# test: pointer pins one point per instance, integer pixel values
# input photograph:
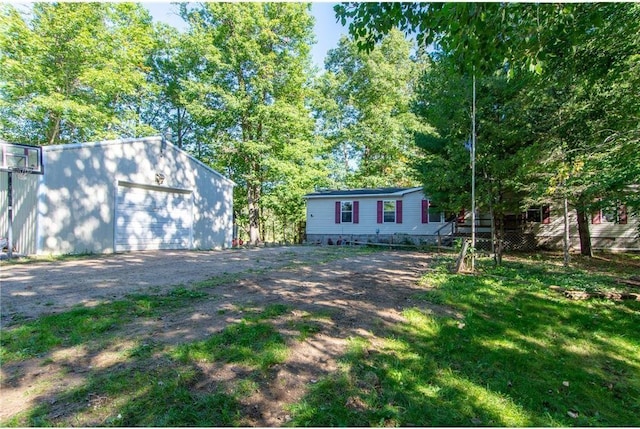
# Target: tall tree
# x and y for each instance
(171, 65)
(72, 72)
(588, 123)
(250, 91)
(443, 100)
(368, 118)
(586, 60)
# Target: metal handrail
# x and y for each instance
(450, 223)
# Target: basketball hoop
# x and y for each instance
(21, 172)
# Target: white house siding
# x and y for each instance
(72, 208)
(321, 223)
(604, 236)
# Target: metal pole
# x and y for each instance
(473, 176)
(10, 206)
(566, 238)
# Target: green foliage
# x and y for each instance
(557, 104)
(589, 121)
(250, 89)
(72, 72)
(171, 64)
(365, 113)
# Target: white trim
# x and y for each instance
(395, 211)
(71, 146)
(342, 211)
(153, 187)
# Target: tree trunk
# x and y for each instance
(54, 130)
(254, 214)
(583, 231)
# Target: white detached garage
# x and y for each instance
(121, 195)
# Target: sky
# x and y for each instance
(327, 31)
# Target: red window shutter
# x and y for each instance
(425, 211)
(461, 216)
(622, 215)
(338, 211)
(596, 218)
(546, 214)
(398, 211)
(379, 211)
(356, 212)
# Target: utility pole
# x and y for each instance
(473, 175)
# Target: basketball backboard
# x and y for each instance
(21, 158)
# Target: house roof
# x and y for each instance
(157, 140)
(373, 192)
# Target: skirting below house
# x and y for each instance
(513, 241)
(400, 239)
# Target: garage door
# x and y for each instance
(150, 217)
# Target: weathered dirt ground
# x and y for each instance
(362, 293)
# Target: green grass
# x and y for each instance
(518, 354)
(251, 342)
(157, 385)
(85, 324)
(156, 392)
(522, 355)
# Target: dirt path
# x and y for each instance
(362, 294)
(29, 290)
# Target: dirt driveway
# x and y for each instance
(362, 292)
(29, 290)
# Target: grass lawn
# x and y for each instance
(521, 355)
(511, 352)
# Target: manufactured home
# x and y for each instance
(385, 215)
(406, 215)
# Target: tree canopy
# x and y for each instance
(573, 122)
(73, 71)
(557, 109)
(367, 116)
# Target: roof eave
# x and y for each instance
(363, 195)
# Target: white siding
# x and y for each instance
(321, 216)
(604, 236)
(71, 209)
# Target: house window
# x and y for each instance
(534, 215)
(430, 213)
(389, 211)
(346, 211)
(612, 215)
(435, 215)
(538, 215)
